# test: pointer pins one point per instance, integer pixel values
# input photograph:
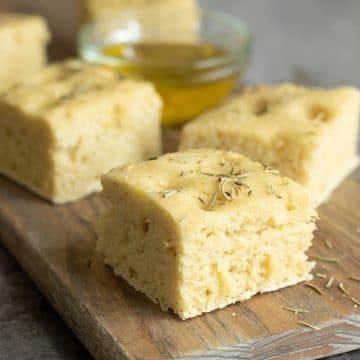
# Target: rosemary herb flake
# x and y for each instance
(296, 310)
(343, 289)
(241, 184)
(215, 196)
(355, 301)
(225, 194)
(270, 170)
(328, 244)
(168, 193)
(308, 325)
(330, 282)
(274, 192)
(326, 259)
(315, 288)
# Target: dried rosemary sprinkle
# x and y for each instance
(354, 278)
(215, 196)
(311, 286)
(328, 243)
(249, 192)
(270, 170)
(330, 282)
(228, 194)
(308, 325)
(237, 176)
(355, 301)
(343, 289)
(234, 192)
(225, 194)
(296, 310)
(274, 192)
(182, 173)
(325, 259)
(240, 184)
(201, 200)
(320, 275)
(168, 193)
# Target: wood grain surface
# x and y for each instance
(56, 247)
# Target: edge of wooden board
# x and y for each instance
(334, 337)
(337, 336)
(48, 284)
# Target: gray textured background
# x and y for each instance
(313, 41)
(308, 41)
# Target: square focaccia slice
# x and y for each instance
(66, 125)
(23, 40)
(201, 229)
(160, 20)
(309, 134)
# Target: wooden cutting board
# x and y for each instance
(56, 246)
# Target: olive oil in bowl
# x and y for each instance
(191, 76)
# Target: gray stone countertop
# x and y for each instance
(310, 41)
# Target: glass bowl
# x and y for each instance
(192, 69)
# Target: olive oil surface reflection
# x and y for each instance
(190, 78)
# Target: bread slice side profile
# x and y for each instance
(66, 125)
(200, 229)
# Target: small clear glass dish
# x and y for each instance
(192, 69)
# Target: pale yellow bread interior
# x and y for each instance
(309, 134)
(66, 125)
(23, 40)
(157, 20)
(198, 230)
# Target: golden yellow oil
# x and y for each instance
(190, 78)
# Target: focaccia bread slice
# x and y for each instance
(160, 20)
(69, 123)
(198, 230)
(23, 41)
(309, 134)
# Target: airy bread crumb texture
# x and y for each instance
(309, 134)
(201, 229)
(66, 125)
